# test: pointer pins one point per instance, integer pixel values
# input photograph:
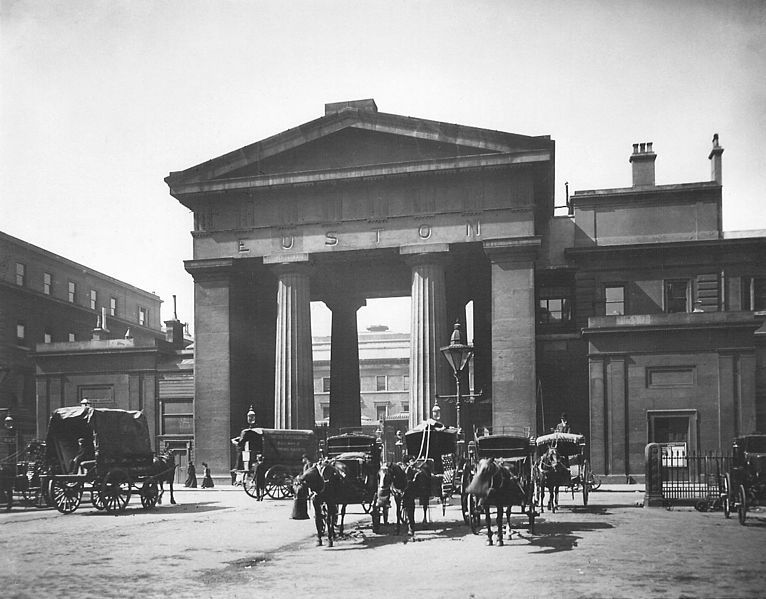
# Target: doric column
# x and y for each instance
(429, 329)
(514, 378)
(345, 407)
(294, 373)
(212, 361)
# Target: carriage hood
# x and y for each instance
(117, 435)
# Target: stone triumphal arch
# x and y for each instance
(359, 204)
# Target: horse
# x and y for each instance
(324, 480)
(498, 485)
(394, 481)
(358, 485)
(551, 473)
(164, 469)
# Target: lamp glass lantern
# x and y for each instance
(457, 354)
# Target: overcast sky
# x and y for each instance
(102, 99)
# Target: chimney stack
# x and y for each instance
(174, 329)
(716, 168)
(642, 160)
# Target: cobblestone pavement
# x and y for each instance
(222, 543)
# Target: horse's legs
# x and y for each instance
(342, 518)
(318, 516)
(409, 508)
(488, 518)
(332, 512)
(172, 499)
(499, 524)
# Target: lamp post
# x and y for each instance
(9, 424)
(457, 354)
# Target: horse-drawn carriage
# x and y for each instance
(500, 473)
(282, 451)
(106, 452)
(434, 450)
(358, 457)
(22, 474)
(562, 462)
(746, 483)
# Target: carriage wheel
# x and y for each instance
(474, 514)
(726, 496)
(115, 491)
(96, 499)
(742, 506)
(66, 495)
(150, 494)
(278, 482)
(248, 484)
(585, 477)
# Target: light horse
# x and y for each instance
(551, 472)
(325, 482)
(498, 485)
(164, 468)
(403, 484)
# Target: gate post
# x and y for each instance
(653, 478)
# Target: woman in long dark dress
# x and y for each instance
(191, 478)
(207, 480)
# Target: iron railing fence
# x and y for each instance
(692, 476)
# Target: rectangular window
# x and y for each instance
(381, 412)
(177, 417)
(405, 406)
(72, 292)
(47, 337)
(142, 316)
(93, 298)
(406, 383)
(47, 283)
(71, 336)
(753, 294)
(554, 306)
(676, 296)
(614, 300)
(21, 273)
(325, 384)
(381, 383)
(325, 412)
(21, 332)
(112, 306)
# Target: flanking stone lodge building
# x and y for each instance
(634, 312)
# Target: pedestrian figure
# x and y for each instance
(191, 477)
(260, 478)
(563, 426)
(306, 462)
(85, 453)
(207, 480)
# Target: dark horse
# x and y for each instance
(164, 469)
(551, 473)
(325, 482)
(498, 485)
(395, 481)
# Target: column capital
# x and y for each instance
(436, 253)
(210, 269)
(513, 249)
(344, 302)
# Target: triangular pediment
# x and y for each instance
(355, 139)
(352, 147)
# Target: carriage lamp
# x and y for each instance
(9, 422)
(457, 354)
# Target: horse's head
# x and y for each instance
(482, 480)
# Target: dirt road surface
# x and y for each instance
(221, 543)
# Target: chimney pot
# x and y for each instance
(716, 163)
(635, 148)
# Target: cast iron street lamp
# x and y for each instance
(458, 354)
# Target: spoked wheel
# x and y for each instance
(96, 499)
(115, 491)
(248, 484)
(726, 496)
(66, 495)
(742, 506)
(278, 482)
(474, 514)
(150, 494)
